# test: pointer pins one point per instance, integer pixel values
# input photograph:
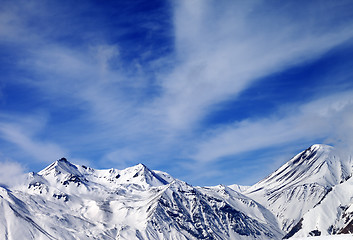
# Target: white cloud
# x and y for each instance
(11, 173)
(329, 117)
(121, 158)
(23, 134)
(223, 48)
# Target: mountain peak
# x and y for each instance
(142, 174)
(140, 167)
(62, 160)
(320, 146)
(319, 163)
(60, 166)
(310, 174)
(137, 202)
(309, 153)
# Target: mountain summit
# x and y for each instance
(69, 201)
(302, 183)
(309, 195)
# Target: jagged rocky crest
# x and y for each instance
(69, 201)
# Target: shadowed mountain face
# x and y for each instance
(68, 201)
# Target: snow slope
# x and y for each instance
(334, 215)
(301, 184)
(312, 194)
(68, 201)
(238, 188)
(333, 237)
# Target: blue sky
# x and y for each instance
(212, 92)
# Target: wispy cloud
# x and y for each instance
(223, 49)
(11, 173)
(24, 133)
(123, 107)
(326, 118)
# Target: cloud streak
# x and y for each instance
(224, 49)
(328, 117)
(23, 134)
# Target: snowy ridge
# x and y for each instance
(301, 183)
(68, 201)
(312, 194)
(239, 188)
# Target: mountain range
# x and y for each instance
(310, 195)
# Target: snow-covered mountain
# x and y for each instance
(68, 201)
(300, 184)
(312, 194)
(298, 192)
